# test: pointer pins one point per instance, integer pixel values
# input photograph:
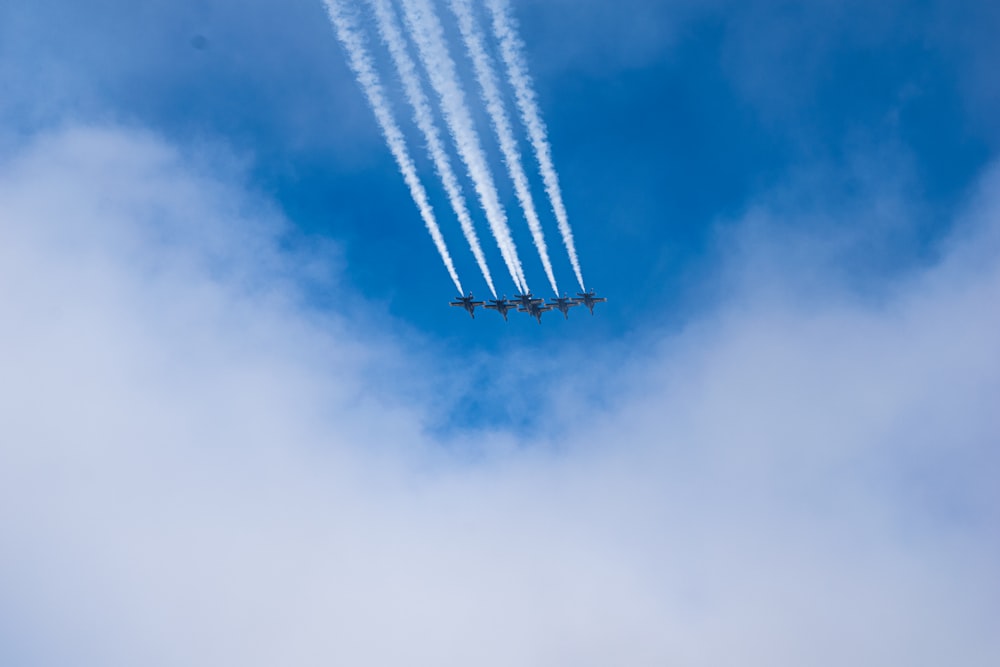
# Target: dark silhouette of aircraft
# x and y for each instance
(524, 301)
(563, 304)
(502, 306)
(588, 299)
(467, 303)
(535, 308)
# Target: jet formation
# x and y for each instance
(527, 303)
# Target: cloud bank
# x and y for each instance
(198, 468)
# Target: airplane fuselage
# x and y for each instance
(502, 306)
(525, 301)
(468, 304)
(589, 299)
(536, 310)
(563, 304)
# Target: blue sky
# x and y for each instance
(660, 139)
(242, 425)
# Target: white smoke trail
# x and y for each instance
(487, 78)
(392, 36)
(361, 63)
(511, 50)
(427, 33)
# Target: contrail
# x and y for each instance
(427, 33)
(392, 35)
(487, 78)
(511, 50)
(361, 63)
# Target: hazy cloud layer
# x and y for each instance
(197, 469)
(250, 70)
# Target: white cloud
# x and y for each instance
(270, 77)
(196, 469)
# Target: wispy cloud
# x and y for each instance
(197, 469)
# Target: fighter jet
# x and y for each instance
(502, 306)
(563, 304)
(524, 301)
(467, 303)
(535, 308)
(588, 299)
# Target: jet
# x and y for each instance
(563, 304)
(467, 303)
(588, 299)
(535, 308)
(502, 306)
(524, 301)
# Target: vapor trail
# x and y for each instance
(487, 78)
(512, 52)
(427, 33)
(392, 35)
(361, 63)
